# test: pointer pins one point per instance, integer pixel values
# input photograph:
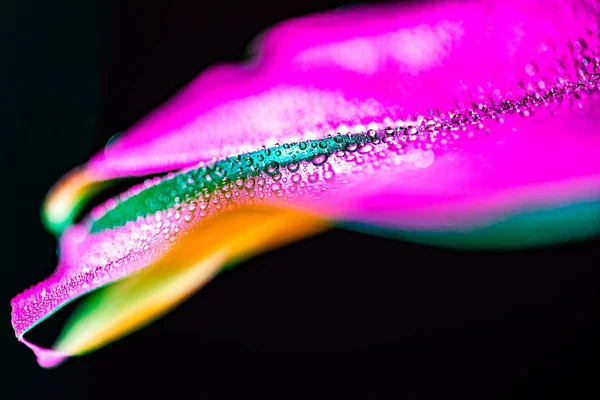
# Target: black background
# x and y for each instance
(338, 313)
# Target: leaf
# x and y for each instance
(467, 124)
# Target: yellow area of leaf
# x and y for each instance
(130, 304)
(66, 199)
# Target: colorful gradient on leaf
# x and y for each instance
(467, 124)
(129, 304)
(66, 200)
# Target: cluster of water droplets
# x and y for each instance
(128, 232)
(305, 168)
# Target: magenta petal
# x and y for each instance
(319, 74)
(394, 67)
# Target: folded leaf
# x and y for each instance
(466, 124)
(133, 302)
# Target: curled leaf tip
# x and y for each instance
(46, 358)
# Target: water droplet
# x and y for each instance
(459, 119)
(508, 106)
(313, 178)
(411, 130)
(491, 112)
(296, 178)
(352, 147)
(293, 166)
(249, 184)
(527, 100)
(367, 148)
(319, 159)
(272, 168)
(530, 69)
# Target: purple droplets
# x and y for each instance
(352, 147)
(459, 119)
(490, 112)
(319, 159)
(272, 168)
